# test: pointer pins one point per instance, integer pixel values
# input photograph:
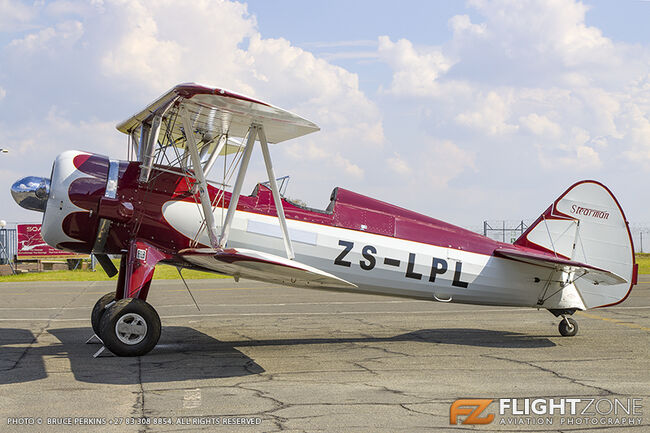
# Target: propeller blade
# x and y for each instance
(107, 264)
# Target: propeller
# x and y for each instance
(106, 264)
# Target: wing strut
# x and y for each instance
(256, 131)
(276, 194)
(148, 139)
(234, 198)
(223, 139)
(200, 177)
(149, 148)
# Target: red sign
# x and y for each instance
(32, 246)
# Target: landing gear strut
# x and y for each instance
(568, 327)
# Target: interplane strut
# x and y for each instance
(200, 177)
(256, 131)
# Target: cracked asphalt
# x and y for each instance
(299, 360)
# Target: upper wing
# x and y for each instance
(256, 265)
(592, 273)
(215, 112)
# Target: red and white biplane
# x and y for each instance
(160, 207)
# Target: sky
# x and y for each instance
(464, 111)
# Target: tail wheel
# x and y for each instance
(130, 327)
(568, 327)
(98, 311)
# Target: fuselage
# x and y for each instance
(381, 248)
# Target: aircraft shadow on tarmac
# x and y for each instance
(11, 357)
(452, 336)
(184, 353)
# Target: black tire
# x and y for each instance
(568, 329)
(99, 309)
(142, 320)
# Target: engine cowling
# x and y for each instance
(71, 217)
(70, 199)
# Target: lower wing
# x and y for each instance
(256, 265)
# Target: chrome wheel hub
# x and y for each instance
(131, 328)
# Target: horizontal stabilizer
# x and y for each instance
(591, 273)
(256, 265)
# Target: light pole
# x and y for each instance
(641, 232)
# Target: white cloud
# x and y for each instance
(340, 44)
(490, 114)
(3, 93)
(50, 39)
(637, 122)
(522, 89)
(587, 157)
(541, 125)
(34, 145)
(415, 70)
(62, 8)
(140, 49)
(57, 132)
(398, 165)
(462, 25)
(437, 162)
(444, 161)
(156, 45)
(328, 94)
(14, 15)
(532, 70)
(581, 159)
(529, 90)
(549, 31)
(225, 49)
(316, 154)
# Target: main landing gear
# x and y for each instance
(127, 327)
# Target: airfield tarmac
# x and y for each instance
(299, 360)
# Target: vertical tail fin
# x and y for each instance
(587, 224)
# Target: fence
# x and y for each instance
(8, 245)
(510, 230)
(504, 230)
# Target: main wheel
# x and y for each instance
(568, 327)
(99, 309)
(130, 327)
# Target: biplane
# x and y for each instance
(162, 206)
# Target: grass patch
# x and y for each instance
(644, 263)
(163, 272)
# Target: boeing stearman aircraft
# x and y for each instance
(159, 207)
